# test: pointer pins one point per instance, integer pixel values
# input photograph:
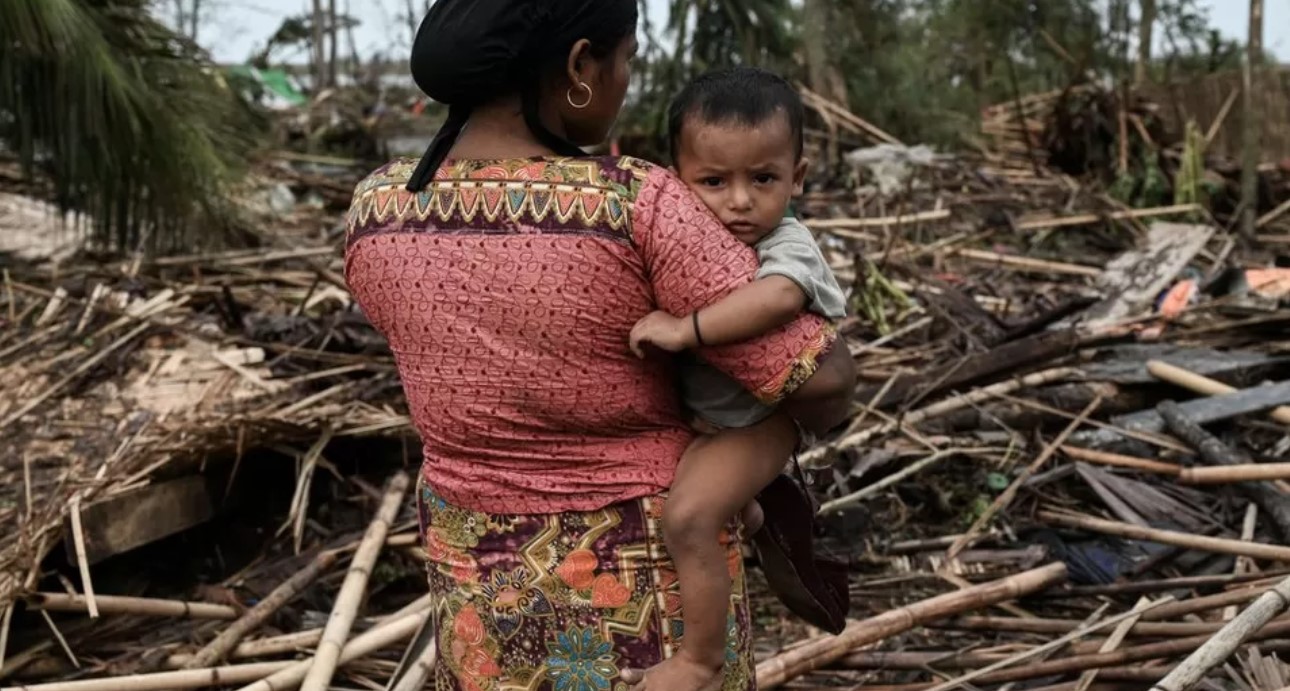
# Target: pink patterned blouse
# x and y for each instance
(507, 290)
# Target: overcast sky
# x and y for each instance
(238, 27)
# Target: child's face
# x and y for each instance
(746, 175)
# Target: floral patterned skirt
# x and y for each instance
(560, 601)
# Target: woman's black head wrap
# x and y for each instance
(469, 52)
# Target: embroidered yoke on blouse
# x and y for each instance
(507, 290)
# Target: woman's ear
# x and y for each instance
(580, 64)
(799, 175)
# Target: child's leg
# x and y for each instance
(718, 476)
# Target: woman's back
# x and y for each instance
(507, 290)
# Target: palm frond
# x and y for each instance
(131, 123)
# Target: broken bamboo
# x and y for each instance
(323, 664)
(1254, 550)
(1217, 649)
(1245, 472)
(147, 607)
(218, 649)
(794, 663)
(1121, 460)
(1204, 385)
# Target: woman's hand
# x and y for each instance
(677, 673)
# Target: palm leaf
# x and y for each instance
(131, 123)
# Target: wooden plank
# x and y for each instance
(133, 519)
(1132, 280)
(1202, 411)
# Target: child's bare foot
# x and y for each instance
(752, 517)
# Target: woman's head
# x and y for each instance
(567, 60)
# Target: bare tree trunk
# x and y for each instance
(1146, 24)
(319, 67)
(181, 16)
(412, 23)
(194, 19)
(334, 33)
(1251, 122)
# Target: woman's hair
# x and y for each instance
(472, 52)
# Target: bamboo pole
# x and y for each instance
(139, 606)
(789, 665)
(1245, 472)
(1254, 550)
(219, 648)
(1121, 461)
(1204, 385)
(299, 640)
(420, 670)
(323, 665)
(1226, 641)
(1036, 651)
(285, 675)
(362, 645)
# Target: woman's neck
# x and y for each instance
(498, 130)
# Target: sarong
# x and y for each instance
(561, 601)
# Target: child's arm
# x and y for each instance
(751, 310)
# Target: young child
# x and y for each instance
(736, 139)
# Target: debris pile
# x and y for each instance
(1062, 470)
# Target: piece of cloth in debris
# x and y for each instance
(789, 251)
(574, 597)
(507, 290)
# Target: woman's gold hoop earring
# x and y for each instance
(590, 95)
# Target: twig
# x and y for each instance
(1005, 498)
(894, 478)
(324, 662)
(1226, 641)
(82, 563)
(67, 649)
(218, 649)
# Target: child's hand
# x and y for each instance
(677, 673)
(661, 330)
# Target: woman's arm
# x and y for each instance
(693, 262)
(823, 401)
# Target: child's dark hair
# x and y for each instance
(746, 96)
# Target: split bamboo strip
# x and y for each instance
(420, 670)
(82, 562)
(1273, 214)
(323, 665)
(838, 226)
(1089, 219)
(819, 454)
(1027, 264)
(1228, 474)
(365, 644)
(1113, 642)
(218, 649)
(1121, 461)
(789, 665)
(1005, 497)
(1225, 642)
(5, 620)
(1255, 550)
(1204, 385)
(139, 606)
(1037, 650)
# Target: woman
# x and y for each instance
(506, 270)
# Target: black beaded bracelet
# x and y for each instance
(698, 335)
